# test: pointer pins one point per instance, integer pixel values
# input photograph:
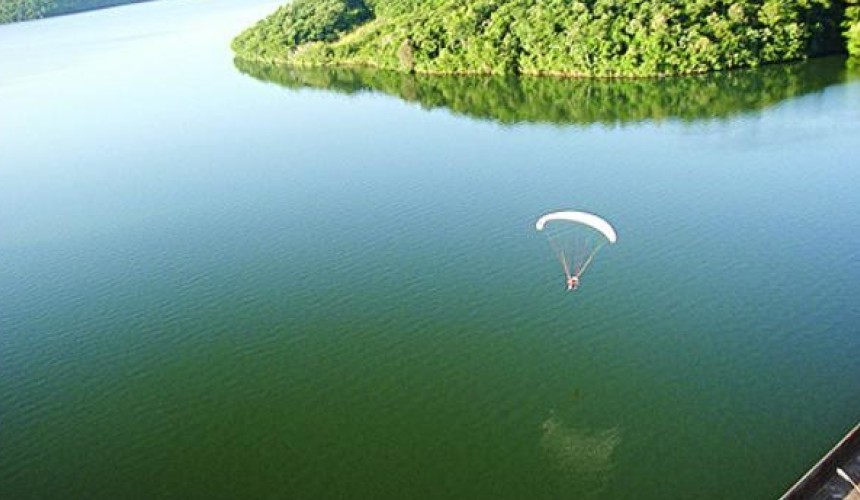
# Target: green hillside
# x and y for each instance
(603, 38)
(851, 24)
(24, 10)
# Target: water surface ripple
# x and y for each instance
(330, 287)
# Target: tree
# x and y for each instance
(606, 38)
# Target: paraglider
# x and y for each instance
(575, 237)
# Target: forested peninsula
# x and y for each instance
(24, 10)
(581, 38)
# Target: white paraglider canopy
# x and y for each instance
(576, 237)
(586, 218)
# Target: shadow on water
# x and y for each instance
(564, 101)
(581, 458)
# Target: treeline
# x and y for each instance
(852, 28)
(572, 101)
(23, 10)
(604, 38)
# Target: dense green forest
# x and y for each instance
(852, 28)
(574, 101)
(603, 38)
(23, 10)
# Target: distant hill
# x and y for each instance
(602, 38)
(23, 10)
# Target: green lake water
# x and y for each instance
(221, 280)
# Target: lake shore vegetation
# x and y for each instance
(852, 28)
(597, 38)
(24, 10)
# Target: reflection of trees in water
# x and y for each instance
(574, 101)
(582, 458)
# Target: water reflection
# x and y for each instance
(574, 101)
